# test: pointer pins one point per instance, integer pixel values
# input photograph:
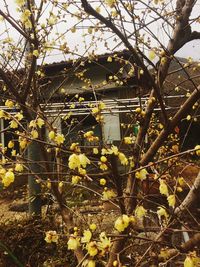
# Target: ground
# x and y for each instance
(23, 237)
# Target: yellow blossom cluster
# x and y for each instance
(23, 142)
(141, 175)
(78, 161)
(128, 140)
(25, 18)
(90, 136)
(20, 3)
(108, 194)
(58, 138)
(110, 3)
(113, 150)
(76, 179)
(9, 103)
(100, 246)
(87, 235)
(162, 213)
(73, 243)
(140, 212)
(105, 243)
(39, 122)
(96, 112)
(163, 188)
(122, 223)
(19, 167)
(75, 147)
(7, 177)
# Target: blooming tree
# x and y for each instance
(42, 29)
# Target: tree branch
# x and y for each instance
(191, 197)
(166, 131)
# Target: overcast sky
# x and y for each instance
(191, 49)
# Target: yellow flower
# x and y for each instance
(74, 162)
(36, 53)
(40, 122)
(49, 184)
(102, 105)
(87, 235)
(189, 262)
(83, 160)
(9, 103)
(198, 151)
(23, 142)
(20, 3)
(108, 194)
(82, 171)
(103, 166)
(188, 117)
(140, 212)
(163, 188)
(60, 185)
(95, 110)
(103, 159)
(52, 20)
(105, 242)
(88, 134)
(51, 236)
(59, 139)
(74, 147)
(92, 249)
(11, 144)
(28, 24)
(128, 140)
(25, 15)
(171, 200)
(181, 181)
(102, 181)
(13, 153)
(122, 223)
(138, 110)
(19, 167)
(164, 254)
(34, 134)
(81, 99)
(75, 179)
(110, 3)
(109, 59)
(8, 178)
(152, 55)
(19, 116)
(162, 212)
(98, 9)
(13, 124)
(32, 124)
(95, 151)
(113, 150)
(93, 227)
(104, 151)
(91, 263)
(141, 175)
(122, 158)
(2, 172)
(73, 243)
(51, 135)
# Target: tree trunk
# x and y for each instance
(34, 187)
